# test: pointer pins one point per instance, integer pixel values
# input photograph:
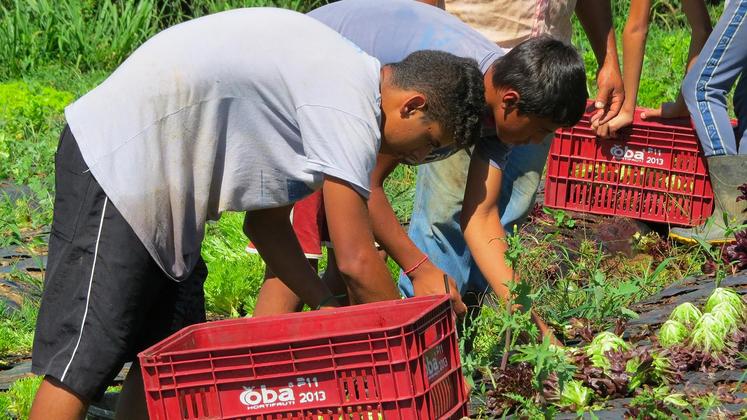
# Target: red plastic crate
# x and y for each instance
(386, 360)
(652, 171)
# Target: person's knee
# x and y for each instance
(689, 88)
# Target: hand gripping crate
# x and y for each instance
(386, 360)
(652, 171)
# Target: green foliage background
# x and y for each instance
(52, 52)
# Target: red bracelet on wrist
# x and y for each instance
(415, 267)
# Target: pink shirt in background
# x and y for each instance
(509, 22)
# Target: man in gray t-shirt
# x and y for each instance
(247, 110)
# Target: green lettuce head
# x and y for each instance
(604, 341)
(709, 335)
(721, 295)
(686, 314)
(672, 333)
(575, 395)
(728, 316)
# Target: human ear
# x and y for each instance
(510, 99)
(413, 104)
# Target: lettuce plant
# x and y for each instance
(686, 314)
(736, 253)
(720, 295)
(709, 335)
(575, 395)
(672, 333)
(604, 342)
(728, 316)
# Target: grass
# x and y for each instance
(17, 330)
(56, 51)
(94, 35)
(16, 403)
(234, 276)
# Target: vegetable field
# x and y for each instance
(652, 329)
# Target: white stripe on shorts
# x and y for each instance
(88, 295)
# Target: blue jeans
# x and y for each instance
(434, 226)
(722, 60)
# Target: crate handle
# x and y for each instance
(432, 334)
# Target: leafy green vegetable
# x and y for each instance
(709, 335)
(728, 316)
(662, 371)
(672, 332)
(575, 395)
(603, 342)
(686, 314)
(720, 295)
(637, 375)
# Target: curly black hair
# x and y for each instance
(453, 87)
(550, 77)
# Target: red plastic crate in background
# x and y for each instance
(652, 171)
(387, 360)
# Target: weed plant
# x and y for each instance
(234, 276)
(16, 403)
(17, 329)
(30, 124)
(400, 189)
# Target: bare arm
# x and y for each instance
(386, 227)
(272, 234)
(634, 47)
(427, 279)
(482, 226)
(484, 233)
(596, 18)
(700, 24)
(366, 275)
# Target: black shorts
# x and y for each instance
(104, 299)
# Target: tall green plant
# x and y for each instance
(177, 11)
(84, 34)
(16, 402)
(94, 35)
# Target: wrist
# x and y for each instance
(610, 57)
(628, 108)
(412, 270)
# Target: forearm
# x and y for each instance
(366, 275)
(634, 46)
(273, 236)
(486, 240)
(596, 19)
(388, 232)
(700, 25)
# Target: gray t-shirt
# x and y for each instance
(240, 110)
(390, 30)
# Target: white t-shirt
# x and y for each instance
(240, 110)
